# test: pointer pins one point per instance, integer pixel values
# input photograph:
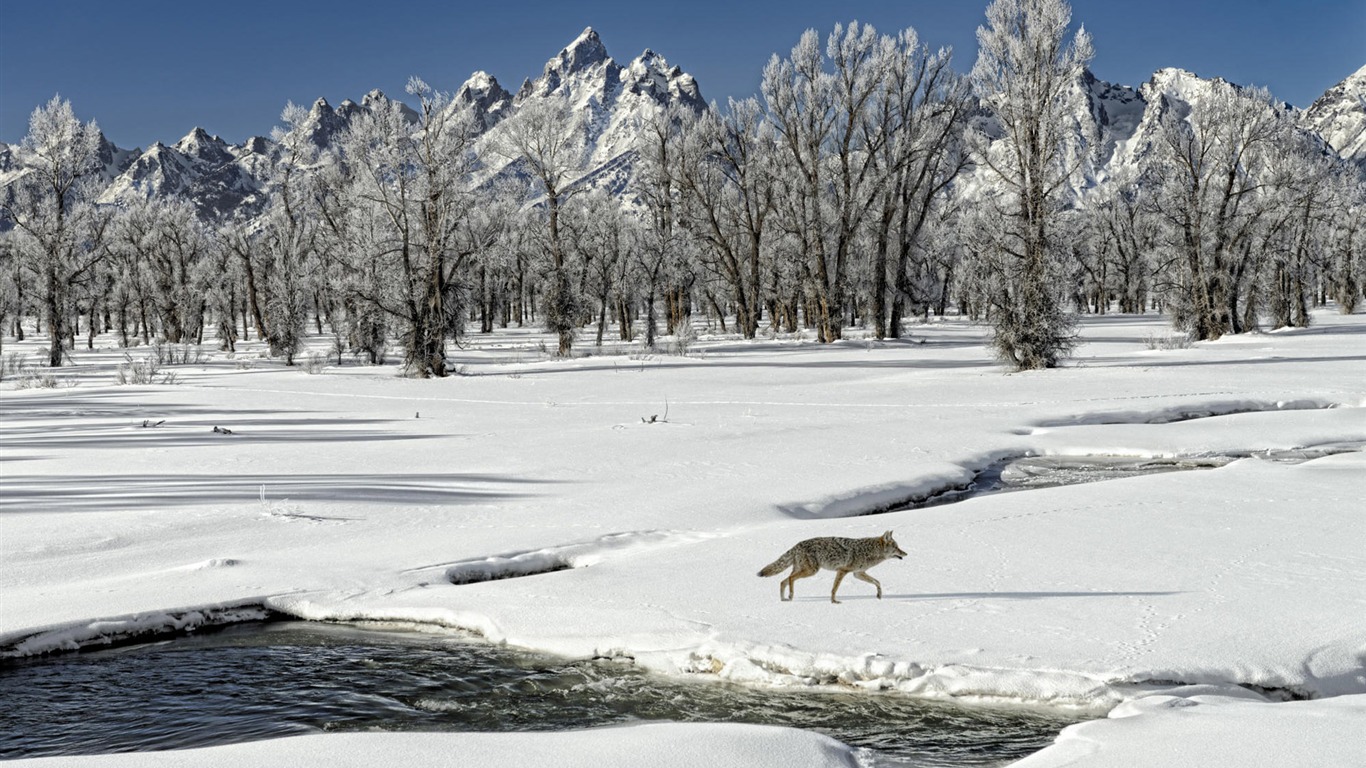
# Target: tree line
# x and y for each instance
(868, 184)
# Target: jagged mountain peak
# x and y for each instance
(256, 145)
(199, 144)
(198, 135)
(348, 109)
(480, 82)
(650, 74)
(610, 106)
(484, 97)
(374, 98)
(1172, 79)
(585, 58)
(586, 51)
(1339, 116)
(1116, 109)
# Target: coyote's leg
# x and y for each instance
(799, 571)
(839, 576)
(863, 575)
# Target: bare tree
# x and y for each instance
(1123, 236)
(279, 246)
(725, 176)
(1029, 78)
(920, 114)
(1347, 271)
(604, 237)
(1312, 189)
(539, 138)
(160, 246)
(409, 184)
(1211, 175)
(61, 233)
(822, 120)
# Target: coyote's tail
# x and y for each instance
(777, 566)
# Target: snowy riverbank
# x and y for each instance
(353, 494)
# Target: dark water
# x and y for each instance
(1026, 473)
(1035, 472)
(281, 679)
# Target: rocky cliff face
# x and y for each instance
(1339, 116)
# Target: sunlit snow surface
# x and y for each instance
(354, 494)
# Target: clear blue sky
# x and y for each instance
(150, 70)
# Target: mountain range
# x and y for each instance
(610, 103)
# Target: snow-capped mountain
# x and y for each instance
(216, 177)
(1167, 90)
(1103, 120)
(324, 123)
(1116, 110)
(223, 179)
(610, 105)
(115, 161)
(484, 98)
(1339, 116)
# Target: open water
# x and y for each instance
(279, 679)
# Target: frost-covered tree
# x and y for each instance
(1211, 175)
(1028, 76)
(540, 139)
(60, 233)
(496, 276)
(11, 299)
(920, 115)
(1311, 194)
(279, 247)
(237, 236)
(821, 107)
(603, 237)
(1347, 267)
(1122, 237)
(409, 185)
(659, 185)
(162, 251)
(726, 177)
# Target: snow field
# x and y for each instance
(356, 495)
(720, 745)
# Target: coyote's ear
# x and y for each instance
(887, 535)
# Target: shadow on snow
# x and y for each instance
(81, 493)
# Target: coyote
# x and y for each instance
(835, 553)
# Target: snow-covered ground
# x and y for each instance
(355, 494)
(667, 745)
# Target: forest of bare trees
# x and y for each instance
(868, 184)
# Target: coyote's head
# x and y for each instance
(889, 547)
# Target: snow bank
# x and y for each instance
(782, 666)
(663, 745)
(1215, 730)
(75, 636)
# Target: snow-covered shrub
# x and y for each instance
(1174, 340)
(684, 336)
(142, 371)
(176, 354)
